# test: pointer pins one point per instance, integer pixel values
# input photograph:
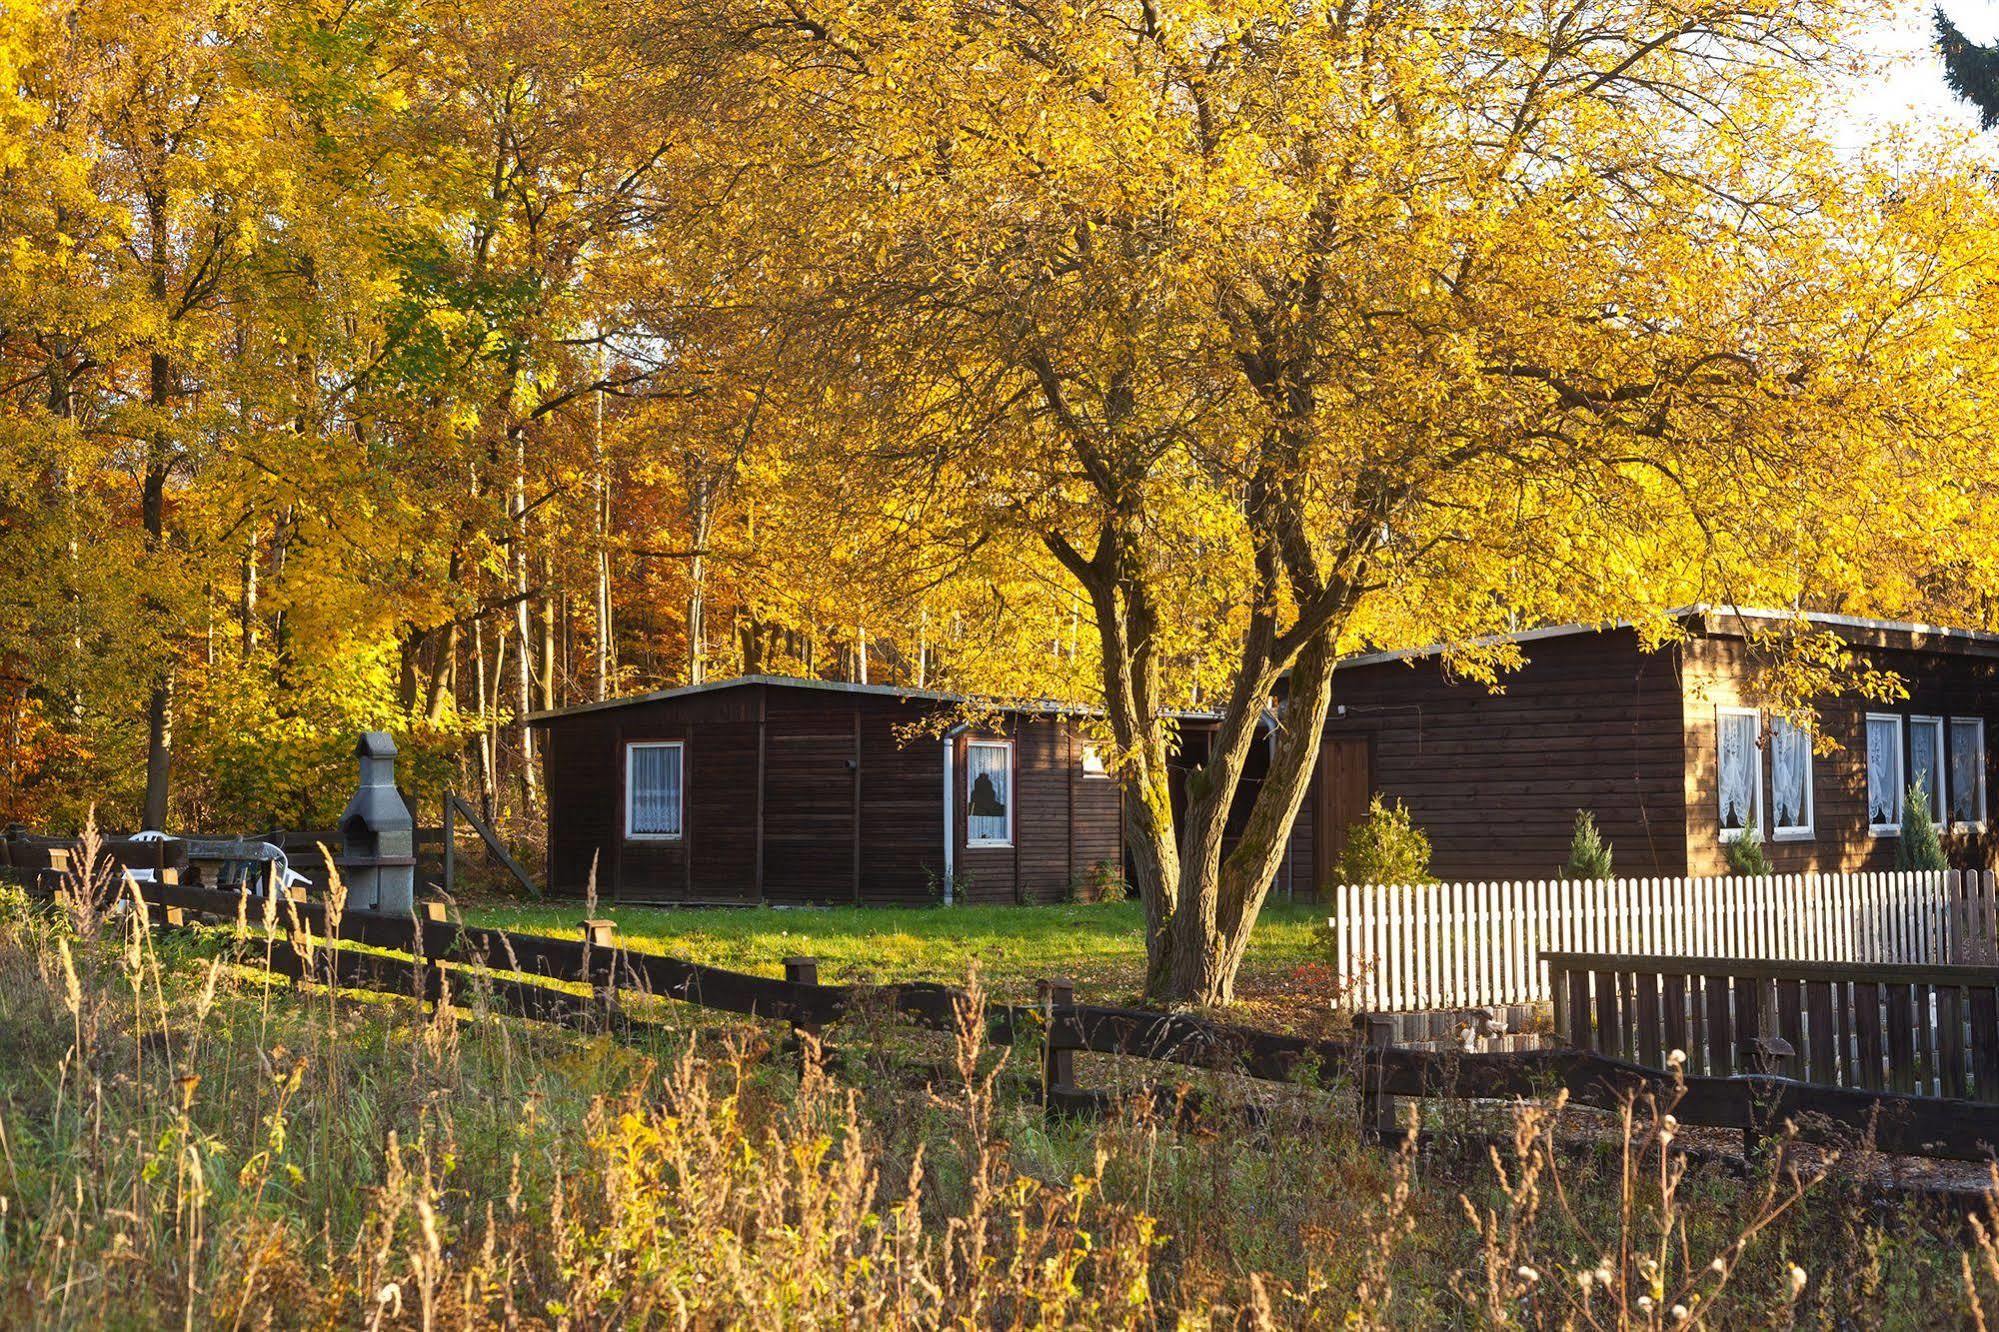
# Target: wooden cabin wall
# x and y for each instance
(852, 802)
(1050, 853)
(802, 796)
(1495, 779)
(1096, 820)
(584, 788)
(1944, 678)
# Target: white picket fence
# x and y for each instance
(1411, 947)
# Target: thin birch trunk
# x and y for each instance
(605, 663)
(700, 515)
(523, 629)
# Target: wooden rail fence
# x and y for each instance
(1459, 945)
(428, 958)
(1927, 1030)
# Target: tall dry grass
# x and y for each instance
(184, 1143)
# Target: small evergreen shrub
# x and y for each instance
(1745, 853)
(1919, 847)
(1589, 854)
(1384, 847)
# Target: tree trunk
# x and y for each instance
(247, 603)
(545, 695)
(281, 542)
(443, 684)
(409, 656)
(442, 687)
(488, 759)
(524, 637)
(159, 750)
(1199, 905)
(159, 699)
(153, 513)
(605, 662)
(1220, 898)
(700, 516)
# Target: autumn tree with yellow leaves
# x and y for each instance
(416, 364)
(1390, 321)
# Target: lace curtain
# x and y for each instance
(1790, 776)
(988, 791)
(1884, 772)
(655, 793)
(1738, 770)
(1926, 764)
(1967, 767)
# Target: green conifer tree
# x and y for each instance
(1589, 854)
(1970, 71)
(1919, 848)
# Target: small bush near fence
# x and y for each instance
(1745, 854)
(1589, 854)
(1919, 847)
(1384, 847)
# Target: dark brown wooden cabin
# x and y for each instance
(767, 789)
(1595, 721)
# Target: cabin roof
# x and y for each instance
(1711, 620)
(1714, 621)
(904, 693)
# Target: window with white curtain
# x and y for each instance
(1926, 762)
(1740, 770)
(1884, 773)
(988, 792)
(1790, 779)
(1967, 771)
(653, 789)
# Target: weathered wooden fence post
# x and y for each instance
(1057, 997)
(1377, 1107)
(450, 867)
(428, 914)
(802, 971)
(600, 966)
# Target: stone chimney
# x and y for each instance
(377, 836)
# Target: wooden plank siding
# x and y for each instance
(804, 793)
(1944, 677)
(1494, 779)
(799, 795)
(1594, 721)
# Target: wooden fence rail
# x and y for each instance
(433, 957)
(1460, 945)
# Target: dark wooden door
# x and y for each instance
(1346, 783)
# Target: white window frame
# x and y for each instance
(1755, 773)
(1977, 824)
(1901, 772)
(1094, 766)
(1939, 807)
(680, 811)
(1012, 795)
(1803, 832)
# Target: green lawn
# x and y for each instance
(1100, 947)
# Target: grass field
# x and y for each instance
(186, 1141)
(1100, 947)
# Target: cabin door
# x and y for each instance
(1346, 784)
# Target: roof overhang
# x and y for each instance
(900, 693)
(1708, 620)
